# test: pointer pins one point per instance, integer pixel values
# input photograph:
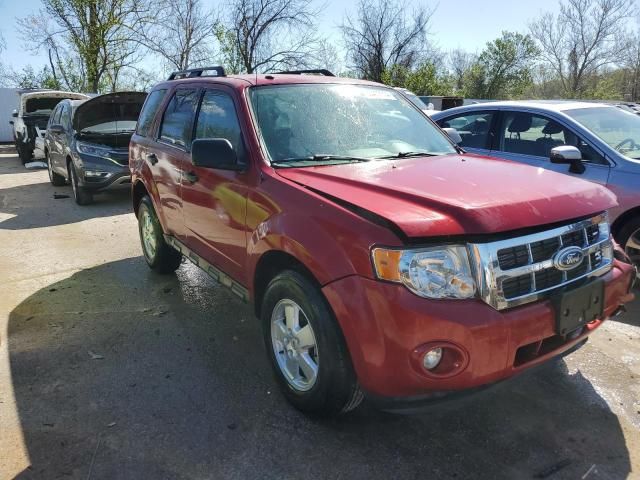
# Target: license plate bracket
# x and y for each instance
(579, 306)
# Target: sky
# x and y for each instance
(465, 24)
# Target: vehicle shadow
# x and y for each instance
(23, 212)
(121, 373)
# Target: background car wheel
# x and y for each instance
(25, 153)
(160, 256)
(80, 195)
(306, 347)
(629, 239)
(56, 179)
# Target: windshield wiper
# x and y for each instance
(324, 158)
(410, 154)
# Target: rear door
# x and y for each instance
(215, 201)
(528, 137)
(475, 128)
(170, 154)
(53, 144)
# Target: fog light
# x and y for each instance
(432, 358)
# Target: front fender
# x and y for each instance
(309, 242)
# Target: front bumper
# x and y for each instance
(384, 323)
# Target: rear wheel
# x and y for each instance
(56, 179)
(160, 256)
(306, 347)
(80, 194)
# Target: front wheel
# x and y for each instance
(160, 256)
(80, 195)
(629, 239)
(306, 347)
(56, 179)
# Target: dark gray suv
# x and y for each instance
(87, 142)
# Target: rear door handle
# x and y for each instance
(151, 158)
(191, 177)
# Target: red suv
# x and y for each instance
(383, 261)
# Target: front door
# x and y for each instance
(528, 138)
(215, 201)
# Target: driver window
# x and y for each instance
(473, 128)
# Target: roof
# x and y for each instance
(243, 81)
(553, 105)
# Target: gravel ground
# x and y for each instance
(110, 371)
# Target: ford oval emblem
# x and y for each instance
(568, 258)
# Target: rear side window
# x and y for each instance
(149, 110)
(178, 118)
(473, 128)
(218, 119)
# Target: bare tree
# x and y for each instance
(383, 34)
(181, 32)
(268, 35)
(93, 33)
(581, 39)
(460, 61)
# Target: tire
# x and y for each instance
(331, 389)
(56, 179)
(80, 195)
(629, 239)
(160, 256)
(25, 153)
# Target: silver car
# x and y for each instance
(594, 141)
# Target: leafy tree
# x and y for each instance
(503, 69)
(94, 33)
(424, 80)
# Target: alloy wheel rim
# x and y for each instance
(632, 247)
(148, 236)
(294, 345)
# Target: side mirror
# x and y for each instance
(453, 135)
(215, 153)
(570, 155)
(14, 114)
(56, 129)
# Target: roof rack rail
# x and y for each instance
(319, 71)
(197, 72)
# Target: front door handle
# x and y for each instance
(151, 158)
(191, 177)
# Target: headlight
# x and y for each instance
(92, 150)
(435, 272)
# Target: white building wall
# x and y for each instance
(8, 103)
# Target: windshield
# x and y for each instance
(353, 122)
(616, 127)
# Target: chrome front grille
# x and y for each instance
(524, 269)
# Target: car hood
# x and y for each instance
(456, 194)
(108, 108)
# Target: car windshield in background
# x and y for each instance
(342, 123)
(617, 128)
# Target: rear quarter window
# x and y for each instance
(149, 110)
